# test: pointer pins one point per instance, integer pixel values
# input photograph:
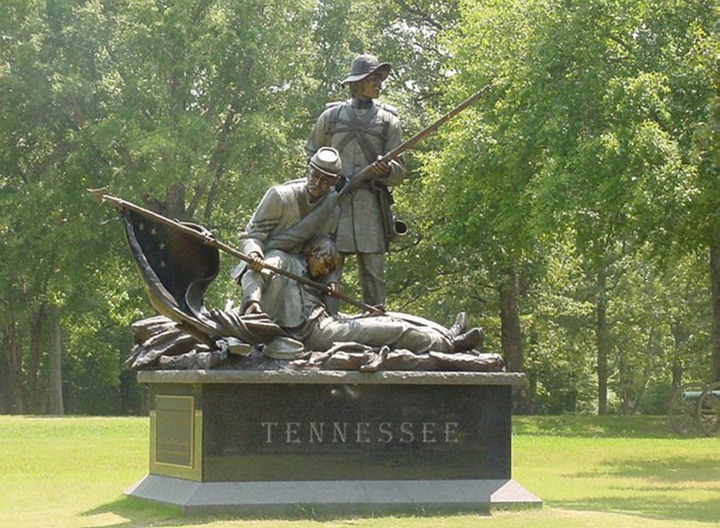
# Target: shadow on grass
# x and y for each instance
(139, 514)
(662, 508)
(675, 470)
(661, 501)
(580, 426)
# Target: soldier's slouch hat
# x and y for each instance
(364, 65)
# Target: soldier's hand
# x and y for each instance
(378, 309)
(253, 307)
(342, 181)
(256, 263)
(335, 290)
(380, 168)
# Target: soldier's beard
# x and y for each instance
(314, 192)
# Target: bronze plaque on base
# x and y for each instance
(176, 437)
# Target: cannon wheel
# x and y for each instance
(682, 412)
(708, 409)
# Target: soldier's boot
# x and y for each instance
(459, 326)
(468, 340)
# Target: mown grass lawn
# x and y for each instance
(610, 472)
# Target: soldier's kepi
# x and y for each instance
(292, 213)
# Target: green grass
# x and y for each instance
(611, 472)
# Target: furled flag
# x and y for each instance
(176, 268)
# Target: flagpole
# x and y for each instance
(209, 240)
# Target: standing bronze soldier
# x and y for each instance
(363, 130)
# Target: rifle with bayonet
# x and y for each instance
(209, 240)
(367, 173)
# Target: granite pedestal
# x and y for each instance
(260, 441)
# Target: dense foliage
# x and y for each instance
(572, 212)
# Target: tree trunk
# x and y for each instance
(55, 400)
(603, 342)
(511, 334)
(10, 371)
(677, 374)
(715, 297)
(680, 336)
(33, 391)
(4, 378)
(176, 201)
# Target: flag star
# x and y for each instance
(153, 231)
(162, 263)
(161, 245)
(141, 226)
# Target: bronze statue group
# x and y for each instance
(307, 228)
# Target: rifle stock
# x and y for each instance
(366, 174)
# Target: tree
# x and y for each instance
(475, 189)
(624, 89)
(706, 154)
(587, 134)
(595, 151)
(191, 108)
(172, 105)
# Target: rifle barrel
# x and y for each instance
(366, 173)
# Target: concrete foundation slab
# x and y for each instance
(347, 496)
